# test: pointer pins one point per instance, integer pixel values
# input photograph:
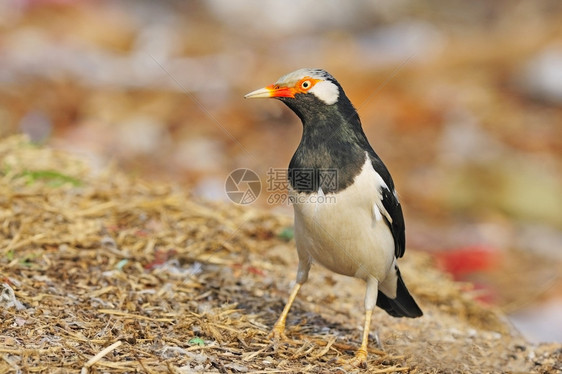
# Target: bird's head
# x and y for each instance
(303, 84)
(314, 95)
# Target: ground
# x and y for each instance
(95, 260)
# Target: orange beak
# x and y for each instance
(273, 90)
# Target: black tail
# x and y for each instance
(403, 305)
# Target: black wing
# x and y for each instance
(392, 206)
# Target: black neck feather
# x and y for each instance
(333, 145)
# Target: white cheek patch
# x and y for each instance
(326, 91)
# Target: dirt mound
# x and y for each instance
(105, 273)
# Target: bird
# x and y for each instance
(347, 214)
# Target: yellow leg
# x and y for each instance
(278, 331)
(360, 359)
(361, 354)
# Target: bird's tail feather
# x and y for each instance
(403, 305)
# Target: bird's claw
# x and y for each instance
(277, 333)
(358, 361)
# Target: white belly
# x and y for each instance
(343, 232)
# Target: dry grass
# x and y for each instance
(103, 273)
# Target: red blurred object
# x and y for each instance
(465, 260)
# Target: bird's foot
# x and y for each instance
(358, 361)
(278, 333)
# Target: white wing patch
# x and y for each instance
(326, 91)
(381, 181)
(377, 213)
(380, 209)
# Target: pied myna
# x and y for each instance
(347, 213)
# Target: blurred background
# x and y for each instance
(462, 100)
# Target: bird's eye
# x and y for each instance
(306, 85)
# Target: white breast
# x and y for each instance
(345, 232)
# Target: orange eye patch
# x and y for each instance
(305, 84)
